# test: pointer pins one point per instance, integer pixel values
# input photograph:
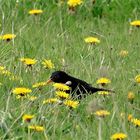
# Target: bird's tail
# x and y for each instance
(93, 90)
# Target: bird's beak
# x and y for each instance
(49, 81)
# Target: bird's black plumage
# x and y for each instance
(79, 88)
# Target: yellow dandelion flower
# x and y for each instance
(22, 96)
(129, 118)
(40, 84)
(62, 95)
(7, 37)
(51, 100)
(27, 117)
(35, 12)
(137, 78)
(104, 93)
(92, 40)
(118, 136)
(36, 128)
(136, 122)
(123, 53)
(60, 86)
(28, 61)
(74, 3)
(71, 104)
(32, 98)
(21, 91)
(48, 64)
(135, 23)
(5, 72)
(102, 113)
(131, 96)
(103, 81)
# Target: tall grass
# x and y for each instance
(59, 35)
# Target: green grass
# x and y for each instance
(56, 34)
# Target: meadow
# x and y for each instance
(57, 34)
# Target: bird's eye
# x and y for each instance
(56, 77)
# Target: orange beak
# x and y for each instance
(49, 81)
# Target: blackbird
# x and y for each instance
(79, 88)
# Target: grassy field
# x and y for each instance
(58, 34)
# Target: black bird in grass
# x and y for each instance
(79, 88)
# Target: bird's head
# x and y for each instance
(58, 77)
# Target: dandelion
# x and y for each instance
(118, 136)
(103, 81)
(28, 61)
(35, 12)
(104, 93)
(62, 87)
(131, 96)
(74, 3)
(27, 117)
(48, 64)
(137, 78)
(136, 122)
(71, 103)
(62, 95)
(51, 100)
(32, 98)
(135, 23)
(123, 53)
(21, 91)
(5, 72)
(92, 40)
(22, 96)
(102, 113)
(39, 85)
(7, 37)
(129, 118)
(37, 128)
